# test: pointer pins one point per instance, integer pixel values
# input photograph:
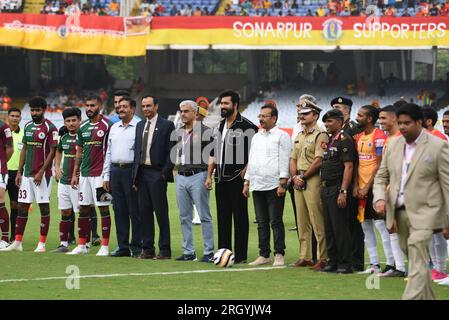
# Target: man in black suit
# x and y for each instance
(152, 170)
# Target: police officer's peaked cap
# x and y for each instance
(341, 100)
(308, 106)
(334, 113)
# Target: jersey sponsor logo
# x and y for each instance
(8, 133)
(19, 145)
(55, 135)
(380, 143)
(365, 157)
(41, 135)
(100, 133)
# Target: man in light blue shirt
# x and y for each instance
(119, 95)
(117, 178)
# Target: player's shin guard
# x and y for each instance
(45, 225)
(4, 222)
(105, 228)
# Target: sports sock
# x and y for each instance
(64, 227)
(45, 224)
(4, 222)
(12, 220)
(83, 230)
(370, 240)
(397, 252)
(72, 225)
(21, 223)
(441, 251)
(105, 229)
(93, 222)
(382, 228)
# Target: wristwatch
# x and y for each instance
(344, 191)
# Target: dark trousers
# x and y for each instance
(13, 192)
(269, 210)
(124, 202)
(336, 223)
(357, 236)
(152, 198)
(231, 204)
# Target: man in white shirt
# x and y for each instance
(117, 177)
(266, 176)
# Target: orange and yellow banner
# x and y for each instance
(76, 33)
(132, 36)
(302, 32)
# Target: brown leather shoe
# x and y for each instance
(303, 263)
(319, 265)
(159, 257)
(146, 255)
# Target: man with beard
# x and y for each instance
(446, 122)
(90, 153)
(370, 144)
(34, 173)
(231, 157)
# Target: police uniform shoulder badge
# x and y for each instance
(323, 145)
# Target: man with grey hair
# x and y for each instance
(194, 141)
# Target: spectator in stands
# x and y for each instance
(309, 13)
(390, 12)
(277, 4)
(114, 8)
(294, 5)
(320, 12)
(174, 11)
(206, 11)
(406, 13)
(197, 12)
(434, 10)
(267, 4)
(446, 122)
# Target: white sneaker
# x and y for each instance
(40, 247)
(443, 282)
(3, 244)
(80, 249)
(371, 269)
(260, 261)
(387, 273)
(103, 252)
(15, 246)
(278, 260)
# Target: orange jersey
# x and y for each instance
(438, 134)
(369, 148)
(397, 134)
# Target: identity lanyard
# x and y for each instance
(184, 140)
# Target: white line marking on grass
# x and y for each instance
(113, 275)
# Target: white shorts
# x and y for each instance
(88, 191)
(29, 192)
(3, 181)
(67, 197)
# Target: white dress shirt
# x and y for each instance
(409, 151)
(120, 145)
(150, 137)
(269, 158)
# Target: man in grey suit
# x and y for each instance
(412, 188)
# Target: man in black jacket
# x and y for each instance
(231, 157)
(152, 170)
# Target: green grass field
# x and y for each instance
(43, 275)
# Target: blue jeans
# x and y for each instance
(191, 191)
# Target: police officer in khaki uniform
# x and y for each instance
(336, 176)
(352, 128)
(305, 162)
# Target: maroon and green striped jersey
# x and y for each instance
(38, 139)
(5, 140)
(93, 137)
(67, 145)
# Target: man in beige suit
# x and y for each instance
(412, 188)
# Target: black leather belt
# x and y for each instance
(122, 165)
(146, 166)
(188, 173)
(329, 183)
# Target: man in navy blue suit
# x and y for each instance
(152, 170)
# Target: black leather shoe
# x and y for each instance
(121, 253)
(328, 268)
(146, 255)
(344, 270)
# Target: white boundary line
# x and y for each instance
(113, 275)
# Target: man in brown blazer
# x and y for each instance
(412, 188)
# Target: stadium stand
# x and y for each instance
(11, 5)
(287, 98)
(95, 7)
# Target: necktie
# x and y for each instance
(146, 133)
